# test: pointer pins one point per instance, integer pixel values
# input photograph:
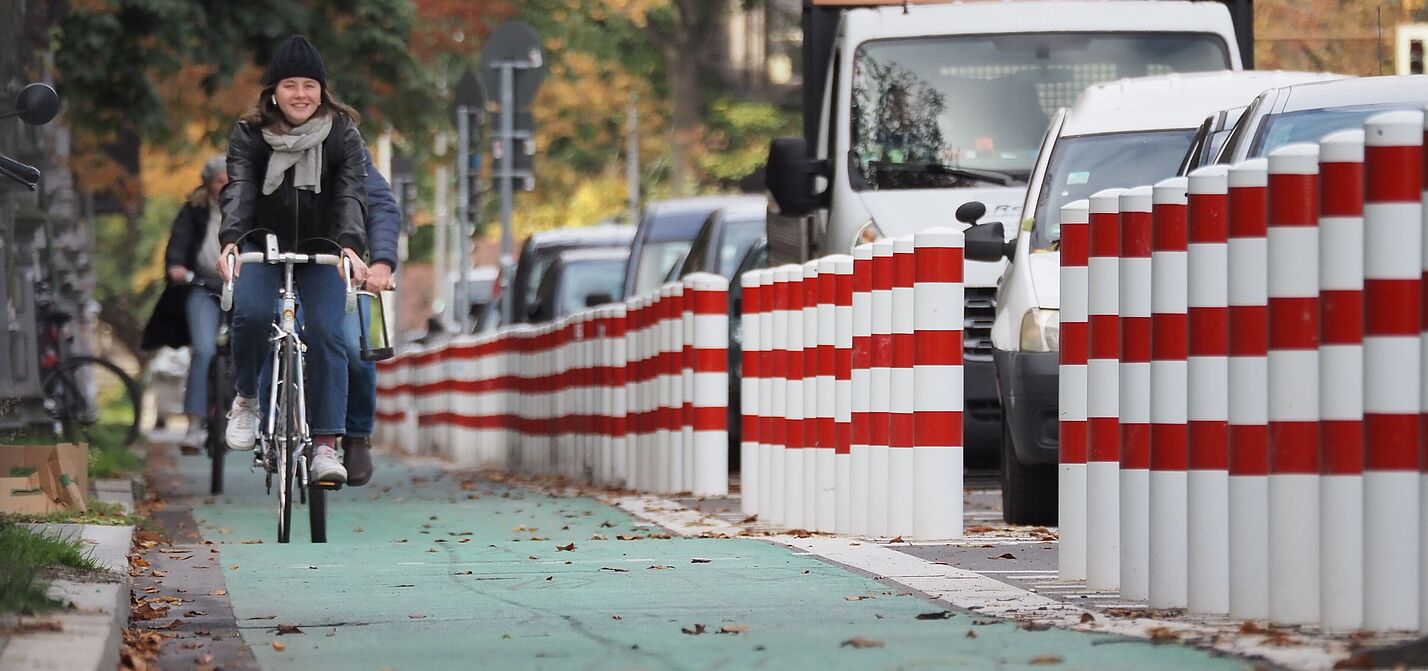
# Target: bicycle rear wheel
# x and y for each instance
(95, 402)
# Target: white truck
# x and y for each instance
(912, 110)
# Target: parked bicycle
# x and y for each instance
(284, 445)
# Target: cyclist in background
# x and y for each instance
(296, 167)
(384, 225)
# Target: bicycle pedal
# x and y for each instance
(329, 486)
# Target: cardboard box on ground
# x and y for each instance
(41, 479)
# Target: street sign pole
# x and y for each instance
(462, 301)
(507, 167)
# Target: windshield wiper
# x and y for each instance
(988, 176)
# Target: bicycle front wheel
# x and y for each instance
(220, 398)
(287, 435)
(95, 402)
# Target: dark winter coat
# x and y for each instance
(186, 237)
(297, 215)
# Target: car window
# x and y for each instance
(1278, 130)
(1081, 166)
(1237, 136)
(656, 260)
(586, 278)
(739, 236)
(699, 249)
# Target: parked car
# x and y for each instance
(577, 279)
(1118, 134)
(724, 239)
(667, 229)
(1309, 111)
(480, 287)
(537, 253)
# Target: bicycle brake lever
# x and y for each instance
(351, 304)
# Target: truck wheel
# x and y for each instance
(1028, 492)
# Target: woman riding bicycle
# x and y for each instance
(296, 166)
(188, 314)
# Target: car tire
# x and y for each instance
(1028, 492)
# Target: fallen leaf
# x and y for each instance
(263, 617)
(416, 616)
(896, 539)
(628, 538)
(1162, 634)
(234, 567)
(734, 629)
(749, 520)
(860, 643)
(1007, 555)
(1251, 627)
(661, 566)
(462, 573)
(257, 541)
(1087, 618)
(148, 611)
(218, 592)
(464, 540)
(285, 629)
(160, 574)
(692, 631)
(549, 578)
(858, 597)
(1045, 659)
(616, 570)
(700, 561)
(597, 537)
(616, 616)
(195, 613)
(279, 646)
(565, 548)
(971, 634)
(937, 615)
(978, 530)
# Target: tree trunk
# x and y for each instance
(687, 50)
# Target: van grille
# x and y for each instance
(979, 313)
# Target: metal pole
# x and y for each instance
(442, 256)
(463, 213)
(632, 159)
(507, 167)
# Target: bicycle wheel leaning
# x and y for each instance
(94, 401)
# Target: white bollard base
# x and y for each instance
(858, 465)
(878, 490)
(1391, 549)
(810, 483)
(1294, 549)
(1341, 511)
(1135, 534)
(748, 478)
(900, 478)
(1169, 539)
(777, 482)
(825, 490)
(937, 488)
(1071, 517)
(1249, 547)
(793, 489)
(1103, 525)
(842, 488)
(1208, 570)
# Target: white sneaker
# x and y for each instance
(195, 437)
(325, 466)
(242, 424)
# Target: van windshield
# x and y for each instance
(1081, 166)
(969, 110)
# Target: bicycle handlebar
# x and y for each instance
(226, 300)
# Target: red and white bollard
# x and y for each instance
(1341, 375)
(770, 394)
(686, 399)
(1293, 249)
(810, 394)
(842, 392)
(619, 408)
(1103, 502)
(1207, 383)
(1393, 359)
(901, 466)
(706, 297)
(937, 449)
(1071, 475)
(749, 393)
(794, 435)
(860, 399)
(825, 484)
(1134, 291)
(1169, 391)
(1249, 408)
(880, 388)
(779, 397)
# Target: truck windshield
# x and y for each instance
(1081, 166)
(969, 110)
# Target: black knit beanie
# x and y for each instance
(296, 57)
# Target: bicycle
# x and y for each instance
(91, 399)
(220, 393)
(284, 447)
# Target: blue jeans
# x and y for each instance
(321, 292)
(202, 313)
(361, 377)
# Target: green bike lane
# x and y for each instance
(434, 570)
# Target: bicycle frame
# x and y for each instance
(285, 330)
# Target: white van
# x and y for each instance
(1119, 134)
(928, 107)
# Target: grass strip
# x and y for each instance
(24, 558)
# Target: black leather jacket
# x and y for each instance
(338, 213)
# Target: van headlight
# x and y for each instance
(1041, 330)
(867, 233)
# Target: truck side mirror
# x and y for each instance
(987, 242)
(790, 176)
(36, 105)
(597, 298)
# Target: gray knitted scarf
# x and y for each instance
(299, 148)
